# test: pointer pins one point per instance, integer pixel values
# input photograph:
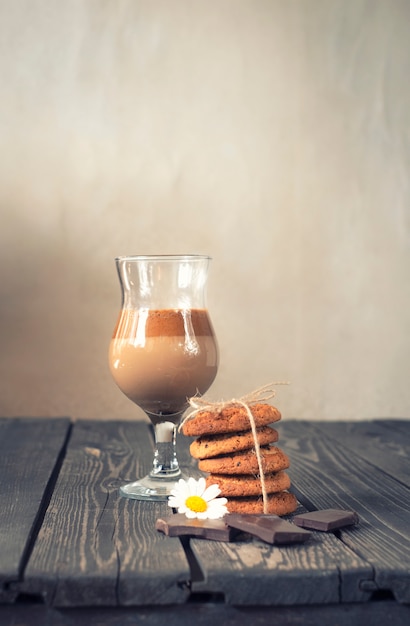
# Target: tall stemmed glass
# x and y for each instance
(162, 352)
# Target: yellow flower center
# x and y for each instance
(196, 503)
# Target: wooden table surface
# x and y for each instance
(72, 551)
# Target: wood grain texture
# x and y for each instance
(94, 547)
(327, 474)
(286, 575)
(383, 444)
(399, 425)
(204, 614)
(29, 451)
(320, 571)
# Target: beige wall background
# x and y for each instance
(273, 135)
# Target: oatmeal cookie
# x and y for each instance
(231, 419)
(273, 460)
(281, 503)
(246, 485)
(209, 446)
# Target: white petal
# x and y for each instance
(217, 514)
(190, 514)
(211, 492)
(217, 508)
(183, 488)
(202, 515)
(191, 486)
(201, 485)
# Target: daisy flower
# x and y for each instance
(193, 498)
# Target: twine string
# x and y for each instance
(262, 394)
(258, 456)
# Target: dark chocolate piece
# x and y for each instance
(179, 525)
(269, 528)
(328, 519)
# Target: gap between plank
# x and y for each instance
(45, 501)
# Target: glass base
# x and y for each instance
(151, 488)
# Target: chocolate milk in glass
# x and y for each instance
(159, 358)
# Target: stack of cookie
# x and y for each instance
(225, 450)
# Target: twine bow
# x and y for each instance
(262, 394)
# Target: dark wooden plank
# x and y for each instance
(327, 474)
(319, 571)
(372, 613)
(94, 547)
(256, 573)
(29, 455)
(376, 441)
(401, 425)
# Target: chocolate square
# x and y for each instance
(270, 528)
(179, 525)
(327, 519)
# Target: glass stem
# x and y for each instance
(165, 464)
